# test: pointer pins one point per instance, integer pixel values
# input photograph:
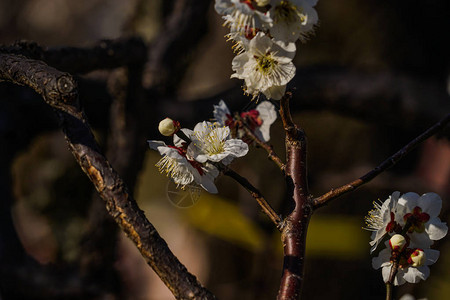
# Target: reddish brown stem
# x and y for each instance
(337, 192)
(296, 224)
(265, 206)
(269, 148)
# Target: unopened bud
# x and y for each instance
(417, 258)
(397, 242)
(168, 127)
(262, 3)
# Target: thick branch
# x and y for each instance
(265, 206)
(59, 91)
(391, 161)
(107, 54)
(296, 224)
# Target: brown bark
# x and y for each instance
(59, 90)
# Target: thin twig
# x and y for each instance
(391, 161)
(269, 148)
(392, 274)
(265, 206)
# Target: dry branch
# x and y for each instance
(388, 163)
(59, 90)
(106, 54)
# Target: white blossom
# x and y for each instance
(381, 219)
(292, 19)
(266, 66)
(422, 212)
(211, 142)
(183, 171)
(406, 271)
(243, 17)
(268, 115)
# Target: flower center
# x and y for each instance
(212, 140)
(287, 12)
(252, 119)
(417, 219)
(265, 63)
(178, 172)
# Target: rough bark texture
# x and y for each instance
(59, 90)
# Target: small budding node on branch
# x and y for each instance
(168, 127)
(397, 242)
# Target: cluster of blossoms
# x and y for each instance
(196, 154)
(192, 158)
(264, 33)
(412, 225)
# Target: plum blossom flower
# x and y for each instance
(381, 219)
(292, 19)
(421, 213)
(413, 264)
(183, 171)
(258, 120)
(266, 66)
(212, 142)
(244, 17)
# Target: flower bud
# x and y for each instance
(262, 3)
(417, 258)
(168, 127)
(397, 242)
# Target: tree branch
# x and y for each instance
(265, 206)
(391, 161)
(59, 90)
(106, 54)
(296, 223)
(269, 148)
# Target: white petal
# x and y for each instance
(220, 112)
(208, 184)
(236, 147)
(409, 200)
(431, 256)
(221, 133)
(275, 92)
(430, 203)
(420, 240)
(177, 141)
(201, 158)
(436, 229)
(156, 144)
(413, 275)
(385, 272)
(399, 278)
(261, 43)
(382, 259)
(267, 112)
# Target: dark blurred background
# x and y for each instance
(374, 76)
